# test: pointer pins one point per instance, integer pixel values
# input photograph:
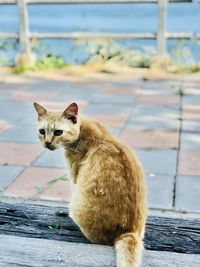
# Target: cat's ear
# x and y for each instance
(40, 110)
(71, 112)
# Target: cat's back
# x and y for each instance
(110, 159)
(107, 145)
(110, 193)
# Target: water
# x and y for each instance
(126, 18)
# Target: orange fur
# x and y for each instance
(109, 197)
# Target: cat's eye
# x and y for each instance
(58, 132)
(42, 131)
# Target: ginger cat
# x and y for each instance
(109, 197)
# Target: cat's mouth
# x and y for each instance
(50, 147)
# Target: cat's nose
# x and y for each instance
(47, 143)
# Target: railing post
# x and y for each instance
(162, 22)
(25, 57)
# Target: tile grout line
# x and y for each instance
(131, 109)
(179, 145)
(19, 174)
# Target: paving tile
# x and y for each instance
(190, 141)
(191, 100)
(166, 159)
(160, 191)
(12, 86)
(153, 92)
(19, 153)
(164, 85)
(31, 96)
(160, 90)
(121, 91)
(5, 95)
(53, 159)
(81, 83)
(189, 163)
(107, 108)
(144, 110)
(149, 122)
(150, 139)
(192, 126)
(14, 111)
(115, 131)
(30, 120)
(110, 120)
(191, 112)
(113, 98)
(20, 134)
(158, 100)
(48, 86)
(189, 90)
(33, 180)
(74, 94)
(193, 83)
(187, 193)
(8, 174)
(125, 84)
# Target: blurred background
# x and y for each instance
(124, 18)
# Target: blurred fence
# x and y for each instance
(25, 35)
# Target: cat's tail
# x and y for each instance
(129, 248)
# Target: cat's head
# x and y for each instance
(58, 129)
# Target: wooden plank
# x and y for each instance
(9, 35)
(100, 1)
(8, 2)
(86, 35)
(24, 27)
(198, 36)
(82, 35)
(179, 35)
(32, 252)
(90, 1)
(162, 23)
(37, 221)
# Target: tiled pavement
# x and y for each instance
(160, 119)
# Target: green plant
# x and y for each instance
(49, 61)
(107, 51)
(182, 58)
(145, 79)
(3, 61)
(46, 59)
(61, 213)
(180, 53)
(180, 91)
(54, 226)
(191, 68)
(5, 47)
(20, 69)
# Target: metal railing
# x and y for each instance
(161, 36)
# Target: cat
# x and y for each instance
(109, 201)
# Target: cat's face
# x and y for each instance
(58, 129)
